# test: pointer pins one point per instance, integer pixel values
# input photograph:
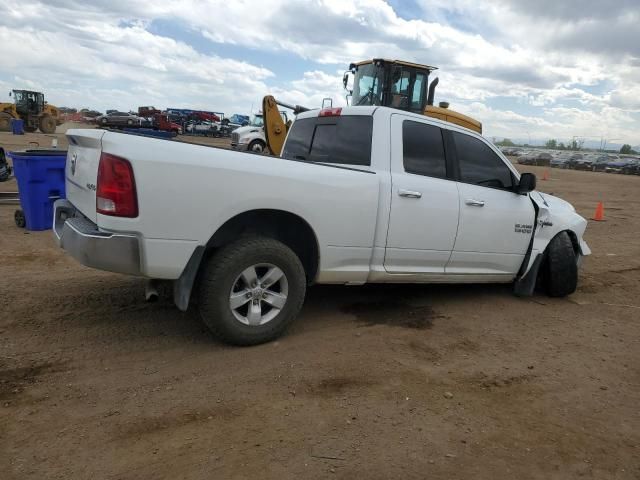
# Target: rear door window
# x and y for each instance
(479, 164)
(343, 139)
(423, 149)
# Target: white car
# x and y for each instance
(203, 127)
(359, 195)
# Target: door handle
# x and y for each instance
(409, 193)
(474, 203)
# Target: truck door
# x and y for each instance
(496, 223)
(424, 200)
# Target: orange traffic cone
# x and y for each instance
(545, 175)
(599, 215)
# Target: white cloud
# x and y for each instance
(104, 54)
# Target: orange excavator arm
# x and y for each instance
(275, 128)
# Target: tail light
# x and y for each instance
(116, 189)
(330, 112)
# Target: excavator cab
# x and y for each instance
(402, 85)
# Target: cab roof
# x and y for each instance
(399, 62)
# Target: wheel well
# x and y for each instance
(286, 227)
(574, 241)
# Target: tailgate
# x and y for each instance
(83, 157)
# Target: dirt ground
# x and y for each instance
(374, 382)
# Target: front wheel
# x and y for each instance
(47, 124)
(251, 290)
(256, 146)
(561, 269)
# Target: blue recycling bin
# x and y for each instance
(17, 126)
(40, 176)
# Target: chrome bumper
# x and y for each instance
(81, 238)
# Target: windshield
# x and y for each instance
(367, 85)
(256, 121)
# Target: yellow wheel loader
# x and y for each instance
(378, 82)
(401, 85)
(32, 109)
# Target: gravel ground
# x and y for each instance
(372, 382)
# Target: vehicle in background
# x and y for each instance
(585, 163)
(147, 112)
(161, 121)
(573, 159)
(346, 203)
(238, 120)
(115, 118)
(600, 162)
(511, 151)
(204, 127)
(541, 159)
(616, 165)
(185, 114)
(559, 161)
(251, 137)
(32, 109)
(632, 167)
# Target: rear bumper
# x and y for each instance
(81, 238)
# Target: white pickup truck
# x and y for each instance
(359, 195)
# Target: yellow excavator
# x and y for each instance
(31, 107)
(378, 82)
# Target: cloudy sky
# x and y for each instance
(526, 69)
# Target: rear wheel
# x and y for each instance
(5, 122)
(47, 124)
(561, 268)
(251, 290)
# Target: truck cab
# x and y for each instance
(251, 137)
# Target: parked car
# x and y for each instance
(118, 119)
(559, 161)
(600, 162)
(511, 151)
(632, 167)
(616, 165)
(573, 159)
(583, 162)
(347, 203)
(204, 127)
(542, 159)
(238, 120)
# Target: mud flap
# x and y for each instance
(182, 286)
(525, 285)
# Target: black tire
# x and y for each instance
(219, 276)
(20, 219)
(561, 267)
(47, 124)
(257, 146)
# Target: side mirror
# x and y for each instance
(345, 79)
(527, 183)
